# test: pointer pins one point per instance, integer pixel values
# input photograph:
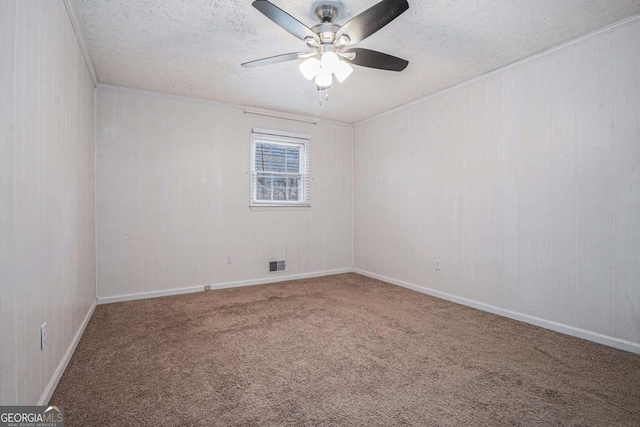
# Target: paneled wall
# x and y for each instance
(524, 184)
(173, 197)
(47, 262)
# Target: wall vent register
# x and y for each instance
(275, 266)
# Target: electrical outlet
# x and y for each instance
(228, 259)
(43, 335)
(207, 287)
(437, 264)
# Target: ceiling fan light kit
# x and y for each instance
(309, 68)
(332, 46)
(342, 71)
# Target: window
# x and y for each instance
(279, 168)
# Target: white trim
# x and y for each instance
(150, 294)
(53, 383)
(267, 207)
(353, 200)
(75, 24)
(225, 285)
(287, 139)
(294, 117)
(278, 133)
(536, 321)
(95, 188)
(616, 25)
(242, 108)
(287, 116)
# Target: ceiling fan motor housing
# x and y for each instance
(326, 29)
(326, 13)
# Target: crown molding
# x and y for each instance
(609, 28)
(293, 117)
(81, 41)
(244, 108)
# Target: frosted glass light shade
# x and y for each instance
(330, 61)
(342, 71)
(323, 78)
(309, 68)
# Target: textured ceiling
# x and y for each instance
(195, 47)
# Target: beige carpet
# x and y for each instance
(340, 350)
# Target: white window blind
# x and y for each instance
(279, 168)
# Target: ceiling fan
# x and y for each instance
(332, 45)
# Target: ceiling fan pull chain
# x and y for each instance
(323, 92)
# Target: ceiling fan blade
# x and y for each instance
(283, 19)
(273, 59)
(374, 59)
(371, 20)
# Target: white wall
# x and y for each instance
(47, 263)
(173, 197)
(525, 184)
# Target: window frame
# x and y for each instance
(285, 139)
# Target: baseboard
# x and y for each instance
(53, 383)
(191, 289)
(547, 324)
(150, 294)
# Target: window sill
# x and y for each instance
(266, 207)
